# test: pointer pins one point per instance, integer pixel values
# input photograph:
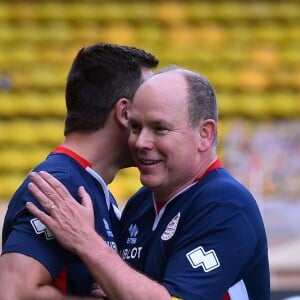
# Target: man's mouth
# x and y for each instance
(148, 162)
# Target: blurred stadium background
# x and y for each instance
(249, 50)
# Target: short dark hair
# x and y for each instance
(100, 75)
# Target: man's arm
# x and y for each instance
(72, 224)
(22, 277)
(118, 280)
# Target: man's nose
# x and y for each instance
(144, 139)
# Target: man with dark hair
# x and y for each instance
(193, 231)
(100, 87)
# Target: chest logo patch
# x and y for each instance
(133, 232)
(208, 260)
(171, 228)
(40, 228)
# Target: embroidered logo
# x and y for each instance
(208, 260)
(171, 228)
(40, 228)
(107, 228)
(133, 232)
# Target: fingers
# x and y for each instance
(52, 188)
(48, 190)
(52, 207)
(54, 196)
(41, 196)
(43, 192)
(43, 199)
(43, 217)
(53, 183)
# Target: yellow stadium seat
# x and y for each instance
(284, 106)
(251, 78)
(9, 183)
(39, 78)
(125, 184)
(253, 106)
(30, 104)
(21, 159)
(23, 11)
(228, 105)
(26, 132)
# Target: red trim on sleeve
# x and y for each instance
(60, 282)
(226, 297)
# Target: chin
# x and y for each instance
(149, 182)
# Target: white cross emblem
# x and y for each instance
(208, 260)
(39, 228)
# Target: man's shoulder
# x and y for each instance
(142, 193)
(139, 199)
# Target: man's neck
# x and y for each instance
(99, 154)
(205, 163)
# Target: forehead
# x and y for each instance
(165, 89)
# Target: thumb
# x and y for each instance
(86, 200)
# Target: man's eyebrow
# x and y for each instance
(158, 122)
(132, 119)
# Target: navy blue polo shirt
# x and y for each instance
(206, 241)
(23, 233)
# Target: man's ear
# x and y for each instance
(121, 111)
(207, 131)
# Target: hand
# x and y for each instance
(70, 221)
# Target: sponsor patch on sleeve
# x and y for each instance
(40, 228)
(208, 260)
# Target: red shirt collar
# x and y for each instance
(82, 161)
(215, 165)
